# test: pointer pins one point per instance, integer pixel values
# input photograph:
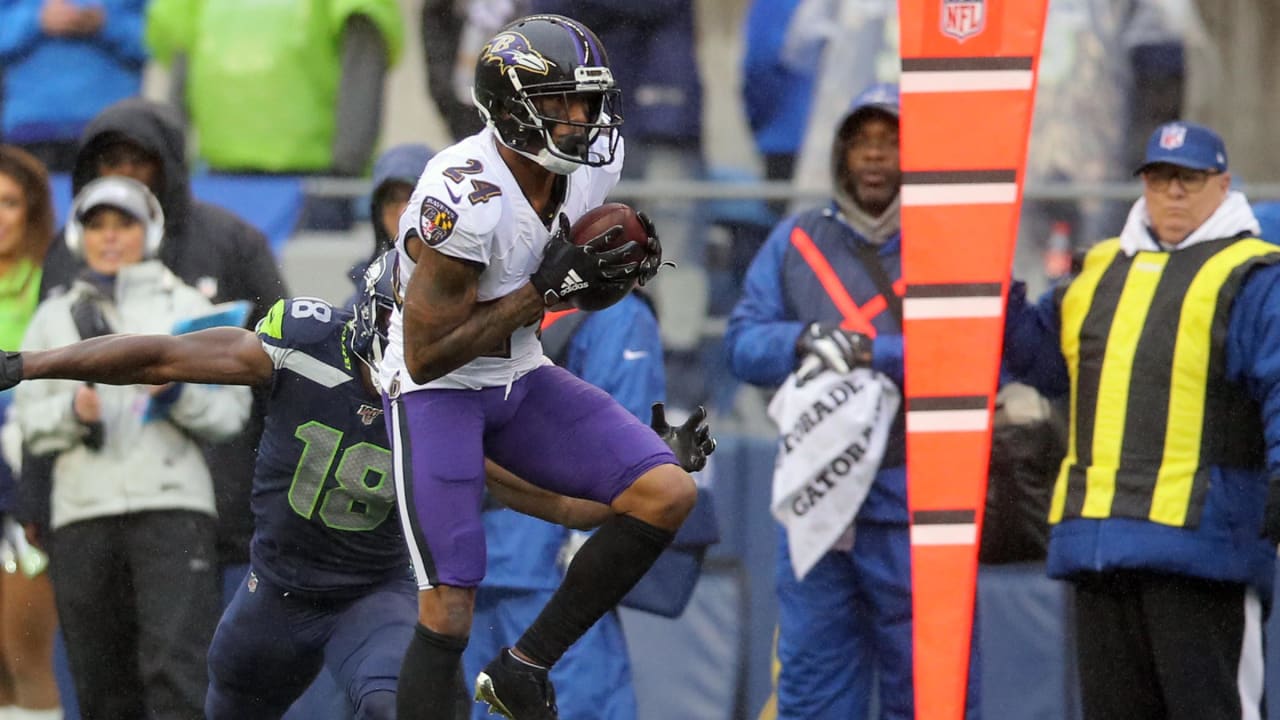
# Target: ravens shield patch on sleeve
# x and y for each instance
(437, 221)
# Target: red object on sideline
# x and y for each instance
(967, 92)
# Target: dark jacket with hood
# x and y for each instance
(212, 250)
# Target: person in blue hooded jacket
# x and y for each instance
(395, 172)
(64, 62)
(1167, 343)
(849, 620)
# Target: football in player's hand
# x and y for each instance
(590, 226)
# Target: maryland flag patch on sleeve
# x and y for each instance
(437, 221)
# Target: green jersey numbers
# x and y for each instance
(323, 487)
(365, 491)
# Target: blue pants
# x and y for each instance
(592, 680)
(323, 700)
(270, 645)
(849, 623)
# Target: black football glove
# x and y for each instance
(691, 442)
(653, 261)
(567, 269)
(828, 347)
(10, 370)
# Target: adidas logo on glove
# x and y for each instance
(573, 282)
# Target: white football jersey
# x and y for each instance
(468, 205)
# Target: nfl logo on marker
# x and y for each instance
(962, 19)
(1173, 136)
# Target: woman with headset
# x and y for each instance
(131, 546)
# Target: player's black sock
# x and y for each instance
(607, 566)
(463, 702)
(428, 684)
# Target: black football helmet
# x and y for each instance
(374, 304)
(543, 56)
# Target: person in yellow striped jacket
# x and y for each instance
(1168, 341)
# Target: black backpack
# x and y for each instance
(1026, 454)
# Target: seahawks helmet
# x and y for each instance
(549, 56)
(374, 303)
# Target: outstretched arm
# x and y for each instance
(225, 356)
(521, 496)
(691, 442)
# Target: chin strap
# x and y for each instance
(554, 163)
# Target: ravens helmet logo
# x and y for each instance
(512, 50)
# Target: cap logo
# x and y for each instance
(963, 19)
(1173, 136)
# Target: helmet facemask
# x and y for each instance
(369, 333)
(520, 116)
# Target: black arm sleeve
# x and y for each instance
(359, 111)
(178, 88)
(441, 28)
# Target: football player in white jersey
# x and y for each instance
(483, 252)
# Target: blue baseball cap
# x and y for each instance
(880, 96)
(1186, 145)
(403, 163)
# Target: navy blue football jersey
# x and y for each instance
(323, 491)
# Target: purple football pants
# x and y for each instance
(551, 429)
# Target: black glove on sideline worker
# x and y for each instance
(832, 348)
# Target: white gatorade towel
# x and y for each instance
(833, 431)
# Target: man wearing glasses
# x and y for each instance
(1168, 341)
